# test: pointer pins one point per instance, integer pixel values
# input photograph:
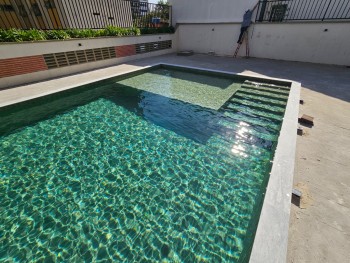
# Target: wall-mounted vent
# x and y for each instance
(63, 59)
(153, 46)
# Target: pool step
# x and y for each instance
(256, 112)
(224, 146)
(257, 131)
(270, 101)
(267, 85)
(264, 94)
(266, 89)
(273, 127)
(279, 110)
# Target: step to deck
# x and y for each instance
(270, 101)
(252, 121)
(264, 94)
(269, 90)
(263, 106)
(256, 112)
(267, 85)
(257, 131)
(219, 143)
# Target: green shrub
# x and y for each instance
(33, 35)
(157, 30)
(81, 33)
(19, 35)
(57, 34)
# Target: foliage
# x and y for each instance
(118, 31)
(157, 30)
(19, 35)
(162, 2)
(57, 34)
(82, 33)
(162, 10)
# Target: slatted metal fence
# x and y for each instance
(289, 10)
(82, 14)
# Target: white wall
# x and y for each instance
(306, 42)
(209, 11)
(203, 38)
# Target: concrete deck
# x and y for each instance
(320, 232)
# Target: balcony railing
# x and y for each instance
(82, 14)
(291, 10)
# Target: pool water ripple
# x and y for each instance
(110, 182)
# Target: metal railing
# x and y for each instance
(82, 14)
(290, 10)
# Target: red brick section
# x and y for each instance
(124, 51)
(21, 65)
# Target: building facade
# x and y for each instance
(63, 14)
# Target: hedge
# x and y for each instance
(19, 35)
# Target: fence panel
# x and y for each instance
(82, 14)
(289, 10)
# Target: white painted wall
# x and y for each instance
(209, 11)
(204, 38)
(306, 42)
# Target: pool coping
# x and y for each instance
(271, 239)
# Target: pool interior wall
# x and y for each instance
(191, 199)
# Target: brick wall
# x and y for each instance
(21, 65)
(124, 51)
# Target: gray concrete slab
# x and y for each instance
(319, 232)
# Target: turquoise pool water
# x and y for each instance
(110, 173)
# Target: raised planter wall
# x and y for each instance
(22, 63)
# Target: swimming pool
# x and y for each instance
(170, 164)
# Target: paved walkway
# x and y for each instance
(320, 232)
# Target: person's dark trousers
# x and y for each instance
(243, 29)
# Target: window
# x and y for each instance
(7, 8)
(22, 11)
(50, 4)
(36, 9)
(278, 12)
